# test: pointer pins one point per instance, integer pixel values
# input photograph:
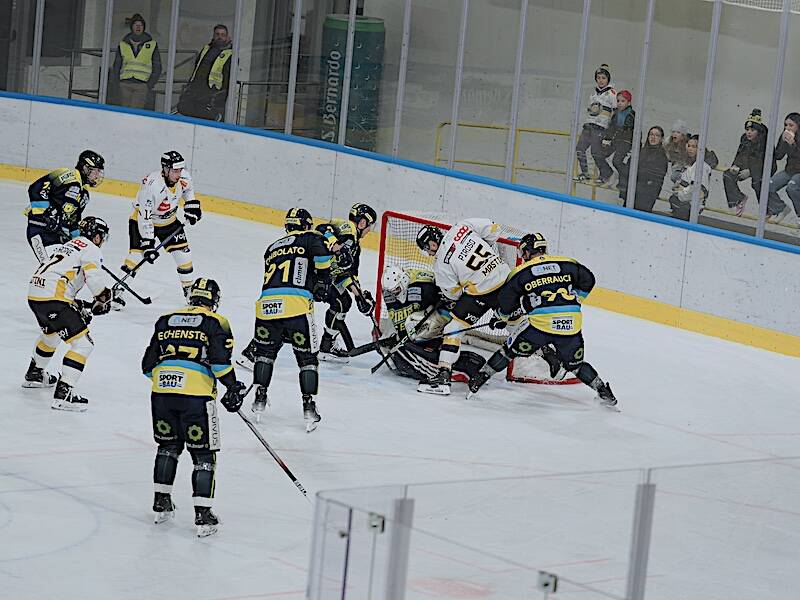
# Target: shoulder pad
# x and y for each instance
(420, 276)
(65, 176)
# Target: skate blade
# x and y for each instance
(37, 384)
(258, 415)
(470, 394)
(244, 363)
(68, 406)
(438, 390)
(163, 517)
(206, 530)
(311, 426)
(612, 407)
(332, 358)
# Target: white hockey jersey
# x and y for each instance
(466, 262)
(156, 204)
(71, 266)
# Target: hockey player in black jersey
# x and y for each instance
(189, 351)
(550, 289)
(57, 201)
(417, 310)
(293, 265)
(345, 238)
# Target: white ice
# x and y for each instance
(76, 489)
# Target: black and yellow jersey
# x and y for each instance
(291, 266)
(190, 349)
(422, 294)
(342, 231)
(58, 198)
(551, 289)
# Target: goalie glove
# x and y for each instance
(102, 302)
(192, 211)
(365, 302)
(234, 396)
(148, 246)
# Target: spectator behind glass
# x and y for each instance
(601, 106)
(136, 68)
(618, 139)
(680, 202)
(676, 145)
(748, 163)
(652, 170)
(205, 95)
(790, 176)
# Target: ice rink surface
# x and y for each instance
(76, 489)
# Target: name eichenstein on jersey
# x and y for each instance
(184, 334)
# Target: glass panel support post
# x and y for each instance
(173, 40)
(462, 40)
(348, 66)
(576, 98)
(293, 61)
(401, 79)
(511, 142)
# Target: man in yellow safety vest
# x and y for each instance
(205, 94)
(136, 69)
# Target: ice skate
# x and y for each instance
(65, 399)
(206, 521)
(606, 397)
(438, 384)
(330, 353)
(781, 216)
(477, 382)
(117, 301)
(260, 403)
(163, 508)
(36, 377)
(310, 414)
(581, 178)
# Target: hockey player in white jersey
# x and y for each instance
(52, 297)
(155, 217)
(469, 273)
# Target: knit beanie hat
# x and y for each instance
(755, 121)
(137, 17)
(626, 94)
(605, 70)
(680, 126)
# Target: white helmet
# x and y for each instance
(395, 282)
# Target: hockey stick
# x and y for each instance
(121, 283)
(137, 266)
(272, 452)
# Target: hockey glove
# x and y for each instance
(51, 219)
(192, 211)
(234, 396)
(364, 302)
(497, 323)
(344, 258)
(85, 309)
(150, 252)
(102, 302)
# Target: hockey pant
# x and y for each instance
(185, 421)
(178, 247)
(61, 320)
(301, 333)
(42, 241)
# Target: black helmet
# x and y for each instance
(172, 160)
(427, 234)
(205, 292)
(362, 211)
(297, 219)
(89, 159)
(92, 226)
(533, 243)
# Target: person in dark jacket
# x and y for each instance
(651, 171)
(618, 139)
(136, 68)
(789, 178)
(205, 95)
(748, 163)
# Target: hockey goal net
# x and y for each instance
(398, 247)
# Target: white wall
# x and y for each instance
(677, 266)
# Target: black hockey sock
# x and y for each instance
(309, 380)
(203, 474)
(166, 466)
(587, 374)
(347, 339)
(497, 362)
(262, 371)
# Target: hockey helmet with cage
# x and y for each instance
(362, 211)
(298, 219)
(428, 234)
(395, 282)
(92, 226)
(88, 160)
(532, 243)
(205, 292)
(172, 160)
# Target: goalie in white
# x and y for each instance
(470, 273)
(416, 309)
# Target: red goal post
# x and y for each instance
(398, 247)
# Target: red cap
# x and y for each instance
(626, 94)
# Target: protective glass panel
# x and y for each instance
(204, 61)
(139, 45)
(428, 98)
(673, 104)
(16, 45)
(542, 144)
(72, 44)
(484, 114)
(605, 113)
(737, 135)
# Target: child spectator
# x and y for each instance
(651, 171)
(676, 146)
(601, 107)
(789, 178)
(680, 202)
(618, 139)
(748, 163)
